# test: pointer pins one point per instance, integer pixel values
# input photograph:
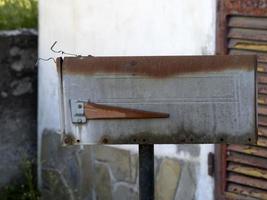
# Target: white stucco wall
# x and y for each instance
(123, 27)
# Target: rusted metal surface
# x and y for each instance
(262, 110)
(241, 9)
(262, 141)
(245, 180)
(262, 120)
(247, 149)
(100, 111)
(233, 196)
(247, 170)
(247, 45)
(262, 67)
(248, 34)
(251, 46)
(246, 7)
(261, 78)
(156, 67)
(242, 30)
(261, 56)
(253, 192)
(209, 99)
(262, 131)
(220, 171)
(262, 89)
(248, 22)
(262, 100)
(247, 159)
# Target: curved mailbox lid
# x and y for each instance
(158, 99)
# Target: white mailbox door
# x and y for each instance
(158, 99)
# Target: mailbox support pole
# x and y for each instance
(146, 172)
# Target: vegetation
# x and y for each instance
(27, 190)
(16, 14)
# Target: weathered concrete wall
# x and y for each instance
(18, 102)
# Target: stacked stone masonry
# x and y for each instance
(101, 172)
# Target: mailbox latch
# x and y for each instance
(77, 111)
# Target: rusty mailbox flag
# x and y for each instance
(156, 100)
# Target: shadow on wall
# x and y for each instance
(104, 172)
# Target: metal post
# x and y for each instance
(146, 172)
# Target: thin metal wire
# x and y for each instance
(62, 52)
(55, 51)
(44, 59)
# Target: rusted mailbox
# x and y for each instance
(155, 100)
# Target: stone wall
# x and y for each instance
(18, 97)
(108, 173)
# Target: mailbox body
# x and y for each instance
(198, 99)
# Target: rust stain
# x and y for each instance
(246, 7)
(158, 66)
(69, 140)
(100, 111)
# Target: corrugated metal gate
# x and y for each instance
(241, 170)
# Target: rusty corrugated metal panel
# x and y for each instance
(262, 67)
(247, 34)
(262, 89)
(262, 131)
(247, 44)
(233, 196)
(246, 180)
(262, 99)
(255, 8)
(247, 149)
(262, 110)
(262, 141)
(260, 55)
(241, 9)
(262, 78)
(262, 120)
(247, 159)
(248, 22)
(248, 191)
(242, 30)
(247, 170)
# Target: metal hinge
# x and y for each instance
(211, 164)
(77, 111)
